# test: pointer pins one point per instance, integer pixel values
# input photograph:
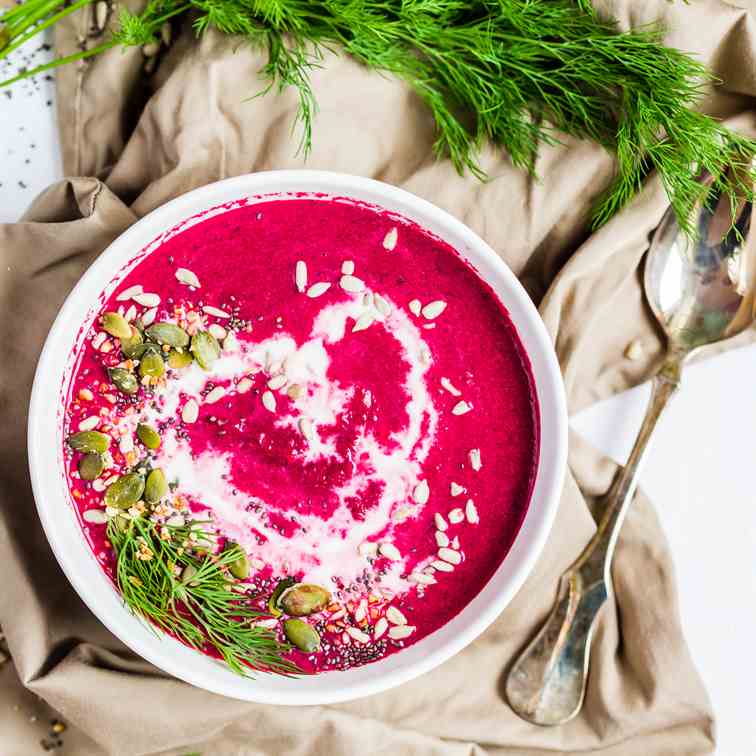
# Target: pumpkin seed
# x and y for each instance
(125, 491)
(156, 486)
(279, 589)
(239, 568)
(89, 441)
(148, 436)
(91, 466)
(133, 346)
(116, 325)
(151, 364)
(168, 333)
(121, 523)
(304, 599)
(205, 348)
(305, 637)
(178, 360)
(123, 380)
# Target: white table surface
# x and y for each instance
(700, 471)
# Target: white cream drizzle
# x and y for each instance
(325, 549)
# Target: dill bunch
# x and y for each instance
(518, 73)
(191, 598)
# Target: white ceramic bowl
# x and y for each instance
(73, 553)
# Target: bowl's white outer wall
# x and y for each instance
(74, 554)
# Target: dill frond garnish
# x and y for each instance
(191, 596)
(517, 73)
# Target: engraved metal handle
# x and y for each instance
(546, 684)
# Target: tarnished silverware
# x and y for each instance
(701, 292)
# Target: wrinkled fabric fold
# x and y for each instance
(136, 142)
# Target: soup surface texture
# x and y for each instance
(337, 396)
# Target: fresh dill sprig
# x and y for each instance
(192, 597)
(518, 73)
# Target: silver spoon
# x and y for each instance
(700, 292)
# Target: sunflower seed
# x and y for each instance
(382, 305)
(294, 391)
(99, 339)
(244, 385)
(305, 427)
(433, 309)
(269, 401)
(440, 522)
(367, 299)
(130, 314)
(389, 551)
(218, 331)
(461, 408)
(89, 423)
(190, 412)
(421, 578)
(395, 617)
(456, 489)
(449, 555)
(215, 395)
(456, 516)
(95, 516)
(450, 387)
(367, 548)
(415, 306)
(317, 289)
(389, 241)
(147, 300)
(421, 493)
(380, 628)
(634, 350)
(352, 284)
(363, 322)
(361, 612)
(425, 356)
(347, 267)
(149, 317)
(99, 485)
(475, 461)
(471, 512)
(187, 277)
(129, 293)
(300, 275)
(358, 635)
(442, 566)
(126, 444)
(277, 382)
(441, 538)
(216, 312)
(455, 543)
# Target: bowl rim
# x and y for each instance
(385, 674)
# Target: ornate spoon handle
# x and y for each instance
(546, 684)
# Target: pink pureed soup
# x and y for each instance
(323, 391)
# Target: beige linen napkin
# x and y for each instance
(136, 145)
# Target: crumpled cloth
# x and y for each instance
(133, 141)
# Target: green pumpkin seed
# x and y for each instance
(151, 364)
(305, 637)
(156, 486)
(91, 466)
(239, 568)
(125, 492)
(148, 436)
(121, 523)
(116, 325)
(278, 590)
(89, 441)
(205, 348)
(178, 360)
(123, 380)
(304, 599)
(168, 333)
(133, 346)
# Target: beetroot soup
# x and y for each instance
(301, 433)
